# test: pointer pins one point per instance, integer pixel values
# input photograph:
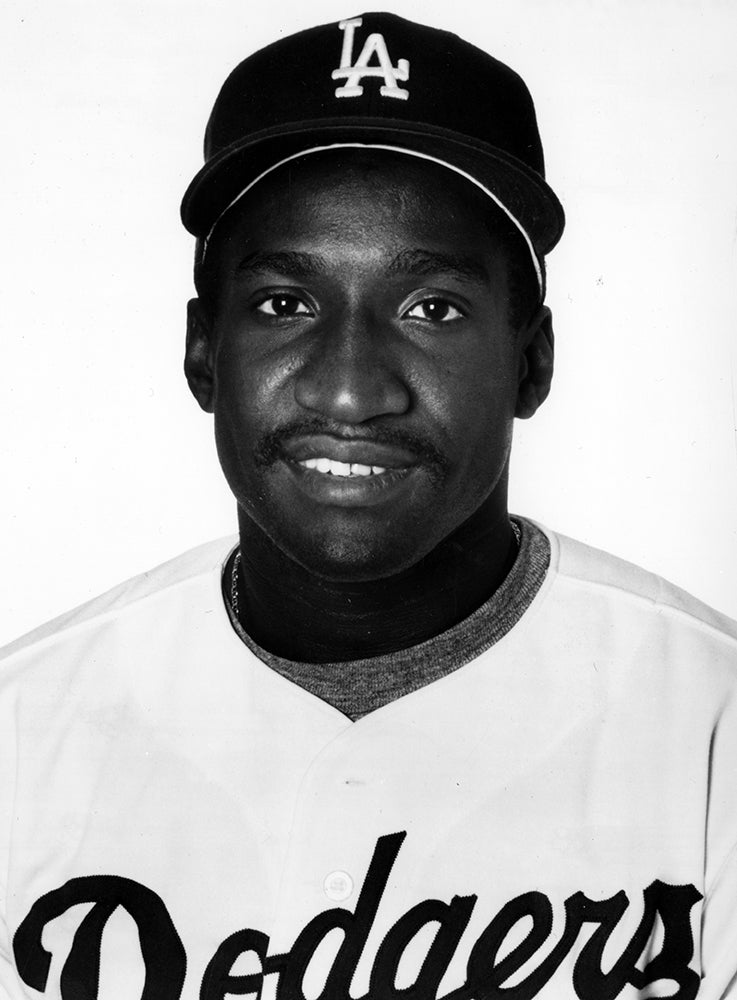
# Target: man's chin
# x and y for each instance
(342, 557)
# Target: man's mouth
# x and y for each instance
(347, 458)
(350, 483)
(350, 470)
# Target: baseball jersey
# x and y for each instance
(555, 818)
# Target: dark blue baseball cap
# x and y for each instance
(382, 81)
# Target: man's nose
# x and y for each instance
(352, 371)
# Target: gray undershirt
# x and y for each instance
(357, 687)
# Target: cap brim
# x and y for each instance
(522, 190)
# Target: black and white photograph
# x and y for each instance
(369, 508)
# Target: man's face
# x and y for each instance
(360, 364)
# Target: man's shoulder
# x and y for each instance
(594, 571)
(168, 577)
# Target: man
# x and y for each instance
(392, 743)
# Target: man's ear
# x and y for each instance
(198, 355)
(536, 363)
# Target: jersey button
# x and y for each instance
(338, 886)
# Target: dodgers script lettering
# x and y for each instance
(165, 960)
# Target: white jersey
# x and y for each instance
(557, 818)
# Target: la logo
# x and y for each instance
(353, 73)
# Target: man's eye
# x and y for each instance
(435, 310)
(283, 305)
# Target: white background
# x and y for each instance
(108, 465)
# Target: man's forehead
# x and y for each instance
(465, 268)
(363, 208)
(362, 176)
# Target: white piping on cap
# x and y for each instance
(391, 149)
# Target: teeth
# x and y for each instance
(329, 467)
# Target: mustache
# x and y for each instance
(269, 448)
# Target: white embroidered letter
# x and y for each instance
(353, 73)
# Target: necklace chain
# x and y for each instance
(237, 563)
(234, 584)
(517, 533)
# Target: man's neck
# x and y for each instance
(296, 615)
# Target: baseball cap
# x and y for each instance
(381, 81)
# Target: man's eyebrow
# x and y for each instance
(422, 263)
(291, 263)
